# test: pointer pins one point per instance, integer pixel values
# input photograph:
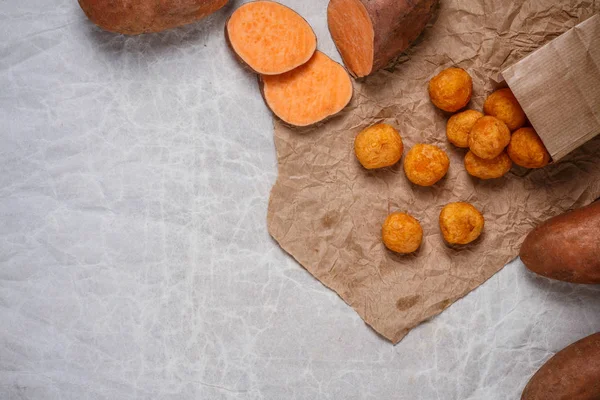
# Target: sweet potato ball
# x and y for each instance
(487, 169)
(503, 105)
(527, 150)
(459, 126)
(401, 233)
(460, 223)
(489, 137)
(378, 146)
(451, 89)
(425, 164)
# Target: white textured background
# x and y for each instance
(134, 256)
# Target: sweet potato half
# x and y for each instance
(370, 33)
(270, 38)
(133, 17)
(572, 374)
(308, 94)
(566, 247)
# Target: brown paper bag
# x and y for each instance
(559, 88)
(326, 210)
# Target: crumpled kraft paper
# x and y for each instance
(326, 210)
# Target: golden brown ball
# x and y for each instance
(401, 233)
(527, 150)
(451, 89)
(378, 146)
(489, 137)
(487, 169)
(503, 105)
(459, 126)
(460, 223)
(425, 164)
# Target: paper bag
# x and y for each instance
(559, 88)
(326, 210)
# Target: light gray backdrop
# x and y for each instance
(135, 261)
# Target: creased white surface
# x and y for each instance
(135, 261)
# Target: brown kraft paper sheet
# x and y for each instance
(326, 210)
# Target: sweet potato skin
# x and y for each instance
(133, 17)
(566, 247)
(572, 374)
(397, 23)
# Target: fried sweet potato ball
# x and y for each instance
(489, 137)
(527, 150)
(451, 89)
(503, 105)
(459, 126)
(378, 146)
(487, 169)
(425, 164)
(460, 223)
(401, 233)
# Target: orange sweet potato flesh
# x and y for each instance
(133, 17)
(371, 33)
(270, 38)
(572, 374)
(566, 247)
(310, 93)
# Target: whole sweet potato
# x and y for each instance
(133, 17)
(566, 247)
(572, 374)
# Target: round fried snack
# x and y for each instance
(401, 233)
(487, 169)
(425, 164)
(503, 105)
(451, 89)
(378, 146)
(489, 137)
(460, 223)
(459, 126)
(527, 150)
